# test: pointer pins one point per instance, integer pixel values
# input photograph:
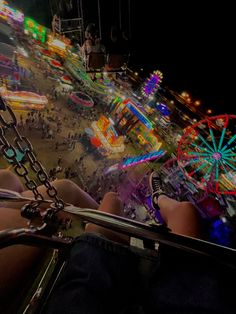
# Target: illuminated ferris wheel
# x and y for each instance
(207, 154)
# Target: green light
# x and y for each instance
(36, 30)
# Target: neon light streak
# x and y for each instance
(217, 170)
(208, 170)
(229, 142)
(142, 118)
(197, 160)
(222, 138)
(231, 166)
(204, 141)
(229, 154)
(230, 159)
(222, 164)
(199, 147)
(9, 12)
(132, 161)
(229, 150)
(199, 154)
(198, 169)
(213, 139)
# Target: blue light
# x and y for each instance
(140, 116)
(220, 233)
(163, 109)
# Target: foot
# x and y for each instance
(156, 188)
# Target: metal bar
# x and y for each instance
(75, 19)
(29, 237)
(157, 233)
(120, 15)
(129, 11)
(72, 31)
(82, 21)
(99, 20)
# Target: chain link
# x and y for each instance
(8, 121)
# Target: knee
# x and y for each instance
(111, 196)
(65, 184)
(5, 174)
(112, 204)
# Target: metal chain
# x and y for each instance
(26, 148)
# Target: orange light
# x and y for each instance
(197, 103)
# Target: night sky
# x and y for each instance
(190, 42)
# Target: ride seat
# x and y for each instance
(96, 61)
(116, 61)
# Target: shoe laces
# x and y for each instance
(156, 182)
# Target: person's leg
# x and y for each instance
(10, 181)
(16, 261)
(181, 217)
(112, 204)
(183, 281)
(69, 192)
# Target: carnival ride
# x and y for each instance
(75, 66)
(208, 155)
(81, 100)
(107, 136)
(152, 83)
(23, 100)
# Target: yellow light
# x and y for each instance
(58, 43)
(185, 95)
(136, 73)
(197, 103)
(209, 111)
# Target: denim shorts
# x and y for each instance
(102, 277)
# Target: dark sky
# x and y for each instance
(191, 42)
(193, 45)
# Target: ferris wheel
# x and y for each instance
(207, 154)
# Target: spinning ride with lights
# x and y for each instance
(152, 83)
(208, 155)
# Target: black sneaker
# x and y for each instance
(156, 188)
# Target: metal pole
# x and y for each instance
(50, 4)
(99, 20)
(81, 15)
(129, 12)
(120, 17)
